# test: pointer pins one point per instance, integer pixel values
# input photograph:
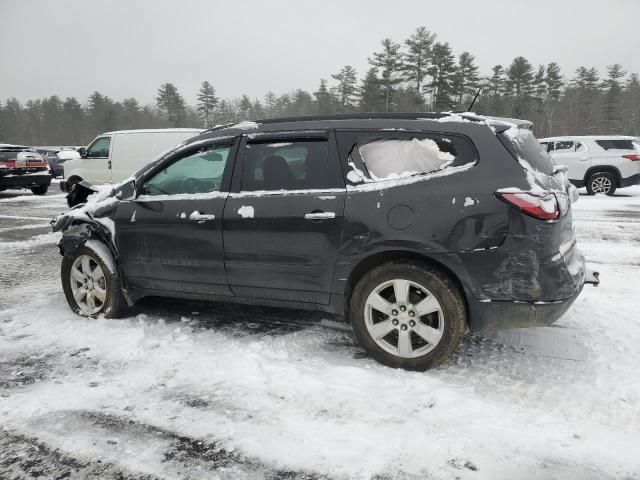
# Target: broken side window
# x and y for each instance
(389, 158)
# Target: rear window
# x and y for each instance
(617, 144)
(11, 155)
(526, 147)
(388, 158)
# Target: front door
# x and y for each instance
(282, 225)
(170, 237)
(95, 166)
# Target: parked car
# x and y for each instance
(601, 163)
(415, 227)
(23, 167)
(55, 157)
(115, 156)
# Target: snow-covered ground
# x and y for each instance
(195, 390)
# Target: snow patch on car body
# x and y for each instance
(181, 196)
(265, 193)
(390, 183)
(246, 125)
(246, 211)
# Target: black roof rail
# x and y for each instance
(357, 116)
(354, 116)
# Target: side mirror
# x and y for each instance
(83, 152)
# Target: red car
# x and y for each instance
(23, 167)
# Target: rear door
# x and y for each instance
(283, 219)
(170, 237)
(572, 154)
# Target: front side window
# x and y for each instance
(388, 158)
(99, 148)
(197, 172)
(285, 165)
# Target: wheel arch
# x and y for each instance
(603, 169)
(371, 261)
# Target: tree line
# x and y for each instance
(418, 74)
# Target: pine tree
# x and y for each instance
(441, 71)
(207, 103)
(495, 88)
(371, 93)
(631, 105)
(415, 61)
(519, 85)
(390, 63)
(33, 121)
(13, 118)
(347, 88)
(465, 79)
(270, 104)
(244, 107)
(172, 104)
(548, 87)
(73, 122)
(553, 81)
(612, 101)
(324, 104)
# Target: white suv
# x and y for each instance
(600, 163)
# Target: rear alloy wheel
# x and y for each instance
(602, 182)
(89, 286)
(41, 190)
(407, 317)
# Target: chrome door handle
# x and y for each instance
(201, 217)
(319, 215)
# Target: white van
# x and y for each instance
(115, 156)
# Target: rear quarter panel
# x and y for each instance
(435, 216)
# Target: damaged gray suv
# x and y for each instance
(414, 227)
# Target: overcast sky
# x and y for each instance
(126, 48)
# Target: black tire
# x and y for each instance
(598, 183)
(40, 190)
(114, 305)
(439, 285)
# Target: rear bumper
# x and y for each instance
(488, 314)
(629, 181)
(493, 315)
(25, 181)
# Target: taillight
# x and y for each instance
(633, 158)
(543, 205)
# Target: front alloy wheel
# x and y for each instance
(89, 286)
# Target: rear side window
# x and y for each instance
(522, 143)
(564, 146)
(285, 165)
(616, 144)
(388, 158)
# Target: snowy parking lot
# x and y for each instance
(194, 390)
